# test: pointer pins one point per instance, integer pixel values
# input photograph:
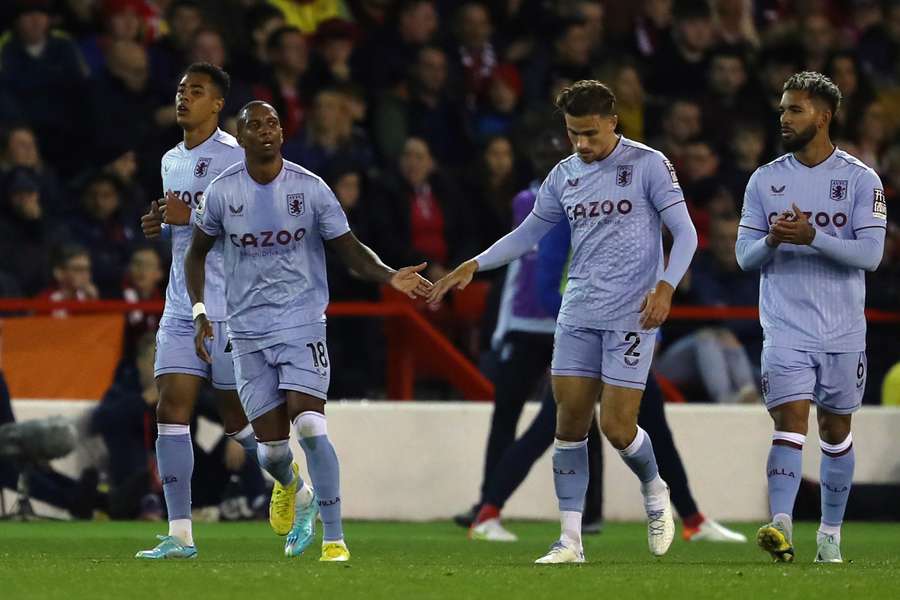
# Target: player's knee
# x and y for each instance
(172, 411)
(572, 425)
(793, 418)
(309, 424)
(833, 429)
(617, 430)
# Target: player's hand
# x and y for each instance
(458, 278)
(655, 307)
(151, 223)
(175, 211)
(203, 331)
(773, 239)
(408, 281)
(795, 230)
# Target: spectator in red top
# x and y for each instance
(72, 276)
(422, 216)
(142, 284)
(475, 55)
(284, 85)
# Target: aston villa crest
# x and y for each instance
(624, 175)
(295, 204)
(838, 189)
(202, 167)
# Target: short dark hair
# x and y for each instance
(219, 77)
(586, 97)
(242, 114)
(66, 252)
(273, 42)
(180, 4)
(261, 14)
(561, 26)
(684, 10)
(818, 86)
(101, 177)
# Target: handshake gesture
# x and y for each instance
(791, 228)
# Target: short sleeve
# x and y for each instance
(753, 216)
(661, 183)
(869, 204)
(208, 213)
(547, 205)
(330, 216)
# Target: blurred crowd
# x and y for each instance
(419, 114)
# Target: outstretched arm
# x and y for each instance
(505, 250)
(365, 264)
(195, 279)
(515, 243)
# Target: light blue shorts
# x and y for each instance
(299, 363)
(620, 358)
(834, 381)
(175, 353)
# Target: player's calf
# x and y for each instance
(324, 469)
(836, 477)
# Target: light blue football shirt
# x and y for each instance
(808, 301)
(274, 256)
(187, 173)
(613, 207)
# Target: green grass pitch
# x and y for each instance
(72, 561)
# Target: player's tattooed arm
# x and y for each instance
(365, 264)
(195, 279)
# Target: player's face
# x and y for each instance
(196, 101)
(801, 120)
(261, 136)
(591, 135)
